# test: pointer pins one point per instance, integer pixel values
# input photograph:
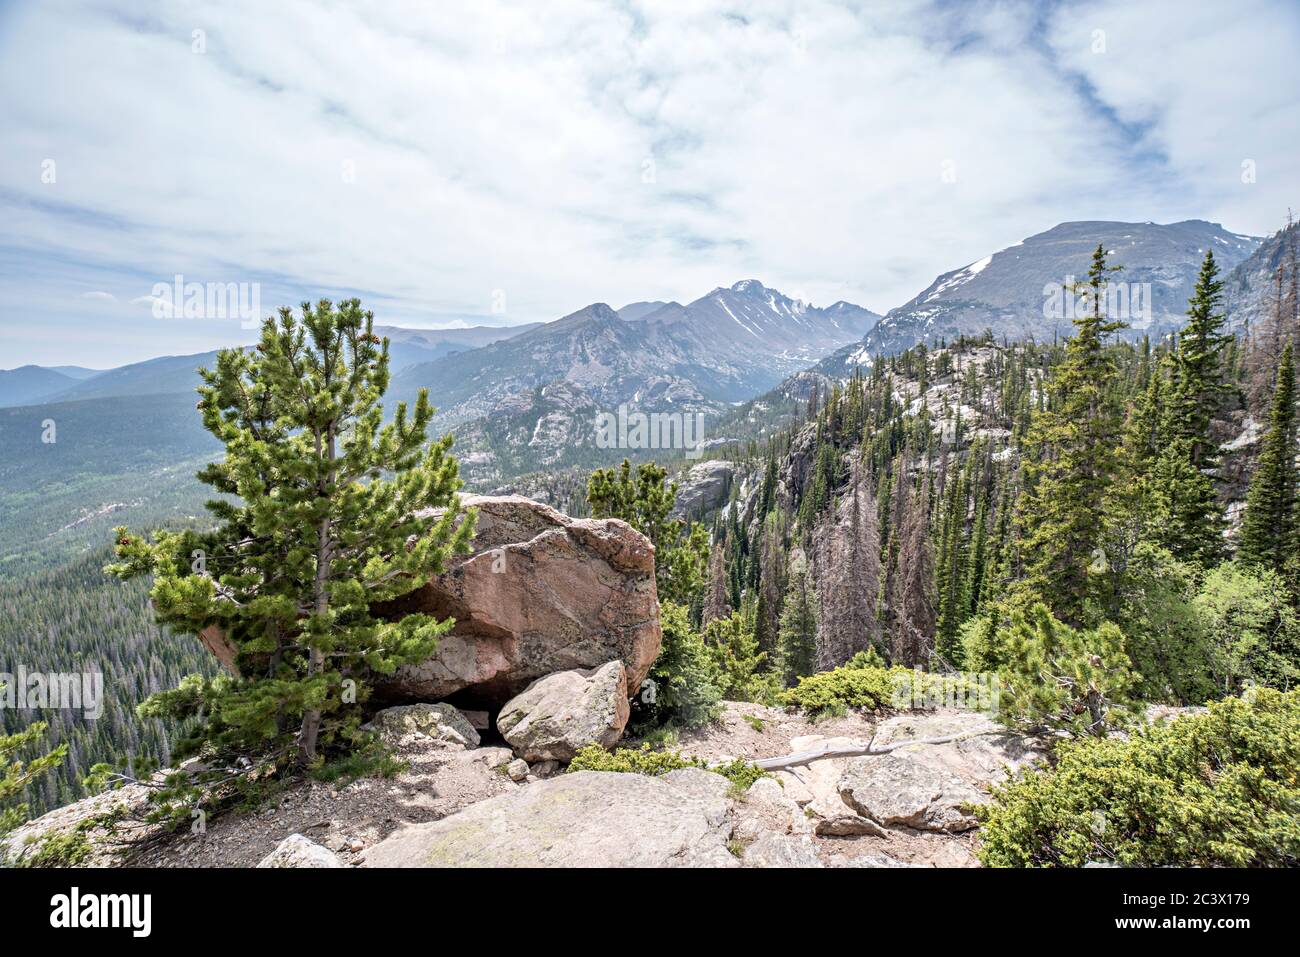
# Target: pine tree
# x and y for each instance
(16, 775)
(715, 603)
(310, 534)
(847, 553)
(1269, 529)
(1200, 379)
(797, 642)
(1070, 459)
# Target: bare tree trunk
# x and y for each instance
(311, 717)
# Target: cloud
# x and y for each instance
(99, 295)
(438, 159)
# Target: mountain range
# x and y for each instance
(525, 397)
(1016, 292)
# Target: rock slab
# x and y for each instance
(894, 790)
(442, 722)
(584, 819)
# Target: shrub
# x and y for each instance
(646, 760)
(1165, 636)
(1253, 630)
(864, 682)
(740, 666)
(1062, 679)
(833, 692)
(684, 682)
(1213, 789)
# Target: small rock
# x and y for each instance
(871, 860)
(297, 851)
(546, 769)
(493, 758)
(517, 769)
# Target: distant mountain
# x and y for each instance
(531, 401)
(639, 310)
(161, 376)
(763, 332)
(176, 374)
(1009, 292)
(29, 384)
(409, 346)
(76, 372)
(1250, 290)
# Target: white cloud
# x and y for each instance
(440, 158)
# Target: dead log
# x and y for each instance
(801, 758)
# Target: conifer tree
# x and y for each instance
(644, 499)
(913, 590)
(1200, 377)
(715, 602)
(797, 642)
(16, 774)
(327, 510)
(1070, 459)
(1269, 529)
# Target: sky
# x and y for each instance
(481, 162)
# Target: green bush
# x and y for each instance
(1063, 679)
(833, 692)
(742, 670)
(865, 683)
(646, 760)
(684, 684)
(1253, 629)
(1214, 789)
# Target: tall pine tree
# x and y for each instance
(1070, 459)
(310, 534)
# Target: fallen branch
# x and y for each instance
(808, 757)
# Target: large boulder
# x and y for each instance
(585, 819)
(558, 715)
(541, 592)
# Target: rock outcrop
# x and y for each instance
(558, 715)
(704, 488)
(585, 819)
(541, 592)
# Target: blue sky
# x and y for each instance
(484, 162)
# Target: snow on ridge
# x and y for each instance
(959, 277)
(723, 304)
